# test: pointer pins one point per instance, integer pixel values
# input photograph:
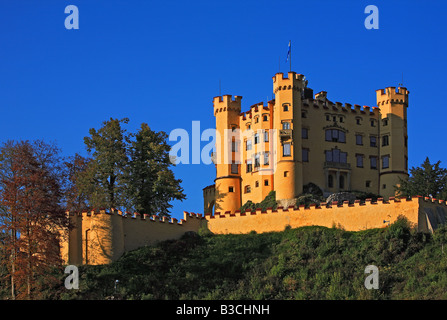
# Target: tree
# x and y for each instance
(426, 180)
(75, 199)
(104, 178)
(31, 215)
(151, 182)
(129, 171)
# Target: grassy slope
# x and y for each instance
(303, 263)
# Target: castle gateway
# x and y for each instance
(298, 138)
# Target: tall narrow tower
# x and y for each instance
(288, 178)
(228, 171)
(393, 105)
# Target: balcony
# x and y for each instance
(337, 165)
(285, 134)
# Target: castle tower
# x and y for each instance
(228, 168)
(288, 179)
(393, 138)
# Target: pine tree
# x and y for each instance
(426, 180)
(151, 182)
(104, 178)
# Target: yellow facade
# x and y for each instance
(299, 138)
(103, 237)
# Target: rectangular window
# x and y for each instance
(328, 135)
(248, 145)
(234, 146)
(359, 160)
(336, 155)
(286, 152)
(266, 136)
(359, 139)
(266, 158)
(230, 189)
(256, 138)
(266, 182)
(305, 154)
(368, 184)
(257, 161)
(385, 162)
(286, 125)
(373, 162)
(341, 136)
(373, 141)
(304, 132)
(335, 135)
(385, 141)
(343, 157)
(234, 168)
(249, 166)
(328, 155)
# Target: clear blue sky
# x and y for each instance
(160, 62)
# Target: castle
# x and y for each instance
(300, 138)
(296, 139)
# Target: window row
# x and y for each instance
(247, 188)
(372, 161)
(372, 140)
(358, 120)
(256, 140)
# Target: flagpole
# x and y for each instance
(290, 42)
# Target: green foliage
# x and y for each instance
(268, 202)
(130, 171)
(303, 263)
(426, 180)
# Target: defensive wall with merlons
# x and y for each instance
(424, 213)
(101, 237)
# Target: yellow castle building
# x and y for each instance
(295, 139)
(300, 138)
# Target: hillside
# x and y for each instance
(303, 263)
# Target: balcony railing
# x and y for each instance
(285, 133)
(338, 165)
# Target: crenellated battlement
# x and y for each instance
(354, 216)
(102, 236)
(391, 95)
(293, 81)
(340, 107)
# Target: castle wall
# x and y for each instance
(353, 217)
(103, 237)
